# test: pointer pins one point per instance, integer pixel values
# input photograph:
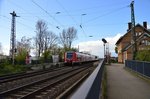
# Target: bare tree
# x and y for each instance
(63, 39)
(41, 30)
(23, 48)
(50, 40)
(25, 44)
(71, 35)
(67, 37)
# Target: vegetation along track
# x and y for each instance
(47, 85)
(21, 80)
(12, 77)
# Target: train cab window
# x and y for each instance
(79, 57)
(69, 55)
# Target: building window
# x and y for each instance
(145, 42)
(136, 34)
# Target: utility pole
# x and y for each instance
(133, 36)
(13, 37)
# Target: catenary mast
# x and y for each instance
(133, 36)
(13, 37)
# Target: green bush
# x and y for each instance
(20, 57)
(143, 55)
(10, 69)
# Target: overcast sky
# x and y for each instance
(99, 18)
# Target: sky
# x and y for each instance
(99, 19)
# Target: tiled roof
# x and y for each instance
(120, 39)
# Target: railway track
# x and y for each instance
(19, 80)
(11, 77)
(45, 86)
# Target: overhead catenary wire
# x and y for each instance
(48, 14)
(21, 8)
(73, 11)
(83, 25)
(67, 14)
(31, 15)
(17, 22)
(27, 26)
(108, 13)
(105, 24)
(99, 6)
(71, 17)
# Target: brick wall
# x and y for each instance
(125, 41)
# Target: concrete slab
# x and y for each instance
(123, 85)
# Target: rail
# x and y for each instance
(91, 88)
(140, 67)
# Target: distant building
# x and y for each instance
(124, 43)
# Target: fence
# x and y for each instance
(91, 88)
(139, 66)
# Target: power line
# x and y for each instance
(66, 12)
(118, 9)
(20, 8)
(17, 22)
(96, 7)
(71, 17)
(76, 10)
(47, 13)
(26, 13)
(106, 24)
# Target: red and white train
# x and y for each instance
(72, 57)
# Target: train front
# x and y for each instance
(68, 57)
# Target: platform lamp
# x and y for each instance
(104, 41)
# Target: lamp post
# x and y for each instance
(104, 41)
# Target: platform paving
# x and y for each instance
(121, 84)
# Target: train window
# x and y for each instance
(69, 55)
(79, 57)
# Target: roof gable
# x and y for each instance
(137, 25)
(138, 39)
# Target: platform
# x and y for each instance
(121, 84)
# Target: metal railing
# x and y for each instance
(139, 66)
(91, 88)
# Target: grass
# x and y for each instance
(10, 69)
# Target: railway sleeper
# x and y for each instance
(39, 97)
(15, 96)
(29, 90)
(54, 92)
(23, 92)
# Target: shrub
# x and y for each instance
(10, 69)
(143, 55)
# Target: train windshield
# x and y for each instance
(69, 55)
